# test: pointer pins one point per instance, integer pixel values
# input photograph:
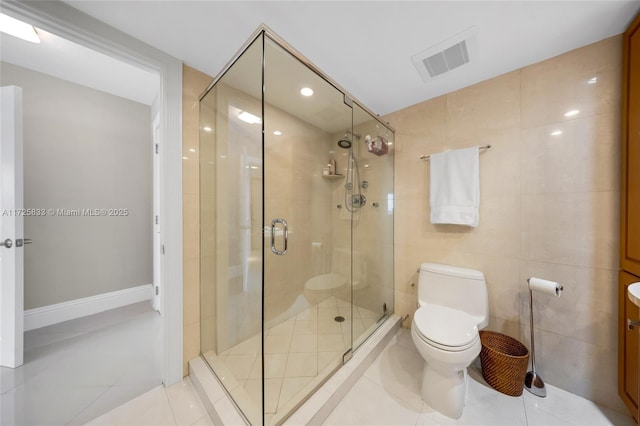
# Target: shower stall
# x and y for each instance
(296, 232)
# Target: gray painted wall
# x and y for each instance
(83, 149)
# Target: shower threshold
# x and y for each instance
(317, 407)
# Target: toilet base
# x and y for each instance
(445, 393)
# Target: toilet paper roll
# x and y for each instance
(544, 286)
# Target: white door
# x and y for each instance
(11, 229)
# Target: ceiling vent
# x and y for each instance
(447, 55)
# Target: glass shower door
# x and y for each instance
(231, 231)
(307, 235)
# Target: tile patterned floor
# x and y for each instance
(299, 353)
(176, 405)
(77, 370)
(387, 393)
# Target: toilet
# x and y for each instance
(452, 306)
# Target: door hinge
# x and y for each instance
(156, 148)
(163, 249)
(156, 219)
(157, 291)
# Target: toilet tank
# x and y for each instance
(454, 287)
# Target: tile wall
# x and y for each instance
(194, 83)
(549, 207)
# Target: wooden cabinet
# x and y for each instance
(628, 340)
(630, 199)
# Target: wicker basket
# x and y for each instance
(504, 362)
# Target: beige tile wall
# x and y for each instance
(194, 83)
(549, 207)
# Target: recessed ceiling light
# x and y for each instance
(185, 158)
(18, 29)
(556, 133)
(277, 132)
(192, 150)
(255, 167)
(306, 91)
(247, 117)
(572, 113)
(207, 129)
(592, 80)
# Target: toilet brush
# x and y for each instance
(533, 382)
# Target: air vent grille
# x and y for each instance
(447, 60)
(446, 56)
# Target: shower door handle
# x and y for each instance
(285, 232)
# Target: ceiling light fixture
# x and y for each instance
(277, 132)
(192, 150)
(572, 113)
(592, 80)
(18, 29)
(247, 117)
(306, 91)
(556, 133)
(207, 129)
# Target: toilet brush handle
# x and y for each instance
(533, 347)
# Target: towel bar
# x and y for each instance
(426, 157)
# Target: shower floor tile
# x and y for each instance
(299, 353)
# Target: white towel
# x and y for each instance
(455, 187)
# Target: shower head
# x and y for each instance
(344, 143)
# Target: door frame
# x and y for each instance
(67, 22)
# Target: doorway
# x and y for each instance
(91, 234)
(67, 22)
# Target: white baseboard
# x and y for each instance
(78, 308)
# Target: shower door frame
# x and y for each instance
(349, 100)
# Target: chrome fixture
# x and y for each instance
(23, 241)
(344, 143)
(532, 381)
(352, 201)
(357, 201)
(285, 232)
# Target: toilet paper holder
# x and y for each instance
(532, 381)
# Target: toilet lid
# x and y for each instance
(446, 327)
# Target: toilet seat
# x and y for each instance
(445, 328)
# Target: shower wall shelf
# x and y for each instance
(333, 176)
